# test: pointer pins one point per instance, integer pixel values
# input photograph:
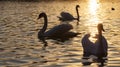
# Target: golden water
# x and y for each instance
(19, 46)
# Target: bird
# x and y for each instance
(112, 8)
(65, 16)
(98, 48)
(61, 31)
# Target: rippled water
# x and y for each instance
(19, 46)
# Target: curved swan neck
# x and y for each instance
(45, 23)
(77, 12)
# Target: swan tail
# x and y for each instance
(71, 34)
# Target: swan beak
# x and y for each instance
(100, 27)
(38, 18)
(103, 30)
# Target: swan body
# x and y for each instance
(65, 16)
(99, 48)
(61, 31)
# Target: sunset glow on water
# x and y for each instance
(93, 6)
(19, 26)
(94, 19)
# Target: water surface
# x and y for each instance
(19, 46)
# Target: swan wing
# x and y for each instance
(86, 43)
(67, 16)
(88, 46)
(59, 30)
(105, 44)
(92, 48)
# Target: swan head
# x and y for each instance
(100, 27)
(77, 6)
(41, 15)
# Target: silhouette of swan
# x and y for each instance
(65, 16)
(61, 31)
(99, 48)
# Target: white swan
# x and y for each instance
(65, 16)
(99, 48)
(61, 31)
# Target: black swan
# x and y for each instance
(65, 16)
(61, 31)
(99, 48)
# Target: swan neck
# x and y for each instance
(100, 47)
(100, 36)
(99, 31)
(77, 13)
(45, 23)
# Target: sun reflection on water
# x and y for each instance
(93, 6)
(94, 19)
(93, 9)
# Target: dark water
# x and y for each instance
(19, 46)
